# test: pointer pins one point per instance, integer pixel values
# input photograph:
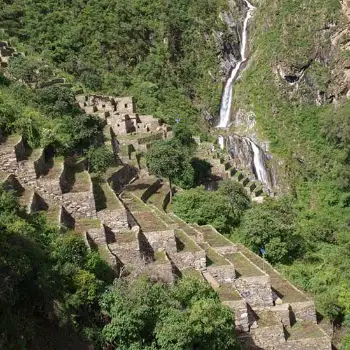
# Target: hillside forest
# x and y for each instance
(166, 55)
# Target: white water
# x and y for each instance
(227, 95)
(259, 163)
(221, 141)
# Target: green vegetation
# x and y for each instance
(160, 52)
(54, 293)
(186, 316)
(48, 117)
(222, 208)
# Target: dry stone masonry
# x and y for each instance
(123, 218)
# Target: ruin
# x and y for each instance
(122, 215)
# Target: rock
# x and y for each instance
(278, 301)
(254, 325)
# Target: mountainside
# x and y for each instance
(287, 140)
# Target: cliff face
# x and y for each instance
(298, 71)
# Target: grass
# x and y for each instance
(304, 330)
(188, 245)
(105, 198)
(157, 198)
(133, 203)
(213, 258)
(267, 319)
(13, 139)
(214, 238)
(104, 253)
(125, 237)
(82, 225)
(149, 222)
(191, 272)
(243, 266)
(55, 170)
(283, 288)
(82, 182)
(228, 293)
(160, 257)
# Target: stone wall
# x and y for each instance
(66, 220)
(10, 155)
(184, 260)
(255, 290)
(160, 272)
(122, 177)
(128, 252)
(282, 313)
(269, 338)
(224, 274)
(162, 240)
(20, 150)
(37, 203)
(97, 235)
(304, 311)
(80, 204)
(11, 183)
(153, 188)
(239, 307)
(323, 343)
(116, 219)
(150, 138)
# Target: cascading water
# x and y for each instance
(259, 163)
(250, 155)
(225, 108)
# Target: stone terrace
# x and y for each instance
(122, 216)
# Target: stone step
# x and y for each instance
(210, 279)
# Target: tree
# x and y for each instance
(206, 207)
(100, 158)
(188, 315)
(168, 159)
(271, 226)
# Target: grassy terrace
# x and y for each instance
(51, 215)
(105, 197)
(304, 330)
(160, 257)
(3, 176)
(12, 140)
(25, 197)
(228, 293)
(34, 154)
(133, 203)
(139, 186)
(112, 170)
(125, 237)
(165, 217)
(55, 168)
(157, 198)
(191, 272)
(213, 258)
(267, 319)
(104, 253)
(82, 225)
(214, 238)
(149, 222)
(183, 226)
(82, 182)
(186, 244)
(243, 266)
(283, 288)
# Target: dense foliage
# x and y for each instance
(47, 117)
(158, 51)
(222, 209)
(55, 294)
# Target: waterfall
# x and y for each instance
(243, 150)
(226, 101)
(221, 141)
(259, 163)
